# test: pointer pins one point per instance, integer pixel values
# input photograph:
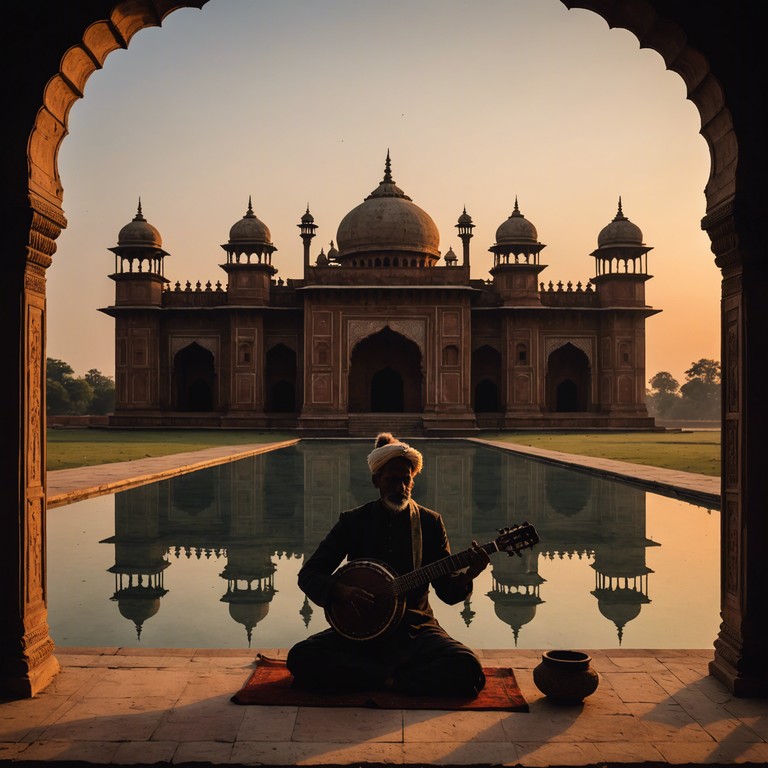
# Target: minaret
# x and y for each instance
(307, 229)
(516, 264)
(465, 227)
(621, 263)
(139, 266)
(249, 260)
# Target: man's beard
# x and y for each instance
(396, 502)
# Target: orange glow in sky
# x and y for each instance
(297, 102)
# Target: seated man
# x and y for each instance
(416, 656)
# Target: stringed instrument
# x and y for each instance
(371, 621)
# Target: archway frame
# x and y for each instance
(57, 57)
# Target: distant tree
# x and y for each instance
(58, 375)
(103, 392)
(56, 398)
(663, 397)
(80, 396)
(698, 399)
(701, 392)
(66, 394)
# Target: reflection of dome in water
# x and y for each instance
(567, 492)
(387, 220)
(515, 609)
(194, 492)
(138, 609)
(620, 606)
(249, 615)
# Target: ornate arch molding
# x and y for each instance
(669, 40)
(101, 37)
(582, 344)
(413, 329)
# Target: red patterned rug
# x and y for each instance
(271, 685)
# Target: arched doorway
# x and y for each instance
(280, 380)
(691, 38)
(387, 395)
(486, 380)
(568, 380)
(194, 375)
(385, 375)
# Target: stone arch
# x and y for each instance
(385, 375)
(280, 380)
(568, 380)
(76, 43)
(413, 329)
(487, 380)
(194, 377)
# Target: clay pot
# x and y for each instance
(566, 677)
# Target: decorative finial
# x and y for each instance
(620, 213)
(388, 168)
(516, 210)
(250, 206)
(139, 215)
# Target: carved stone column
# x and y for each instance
(26, 650)
(741, 661)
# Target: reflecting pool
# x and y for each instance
(210, 559)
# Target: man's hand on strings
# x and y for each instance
(356, 597)
(478, 561)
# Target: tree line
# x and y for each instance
(70, 395)
(698, 399)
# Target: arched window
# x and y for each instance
(244, 354)
(451, 355)
(521, 354)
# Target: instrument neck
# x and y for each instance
(427, 573)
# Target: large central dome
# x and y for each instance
(387, 221)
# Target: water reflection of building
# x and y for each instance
(244, 513)
(515, 590)
(140, 558)
(576, 515)
(282, 504)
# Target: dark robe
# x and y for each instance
(416, 657)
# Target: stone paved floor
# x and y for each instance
(111, 706)
(142, 706)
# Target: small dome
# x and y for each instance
(333, 254)
(516, 229)
(139, 232)
(322, 259)
(450, 257)
(307, 218)
(138, 608)
(465, 218)
(388, 220)
(621, 231)
(250, 229)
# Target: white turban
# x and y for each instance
(395, 449)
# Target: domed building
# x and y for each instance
(382, 328)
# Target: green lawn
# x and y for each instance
(69, 448)
(685, 451)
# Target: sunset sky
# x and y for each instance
(296, 102)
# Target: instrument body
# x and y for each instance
(376, 621)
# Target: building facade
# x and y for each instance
(382, 323)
